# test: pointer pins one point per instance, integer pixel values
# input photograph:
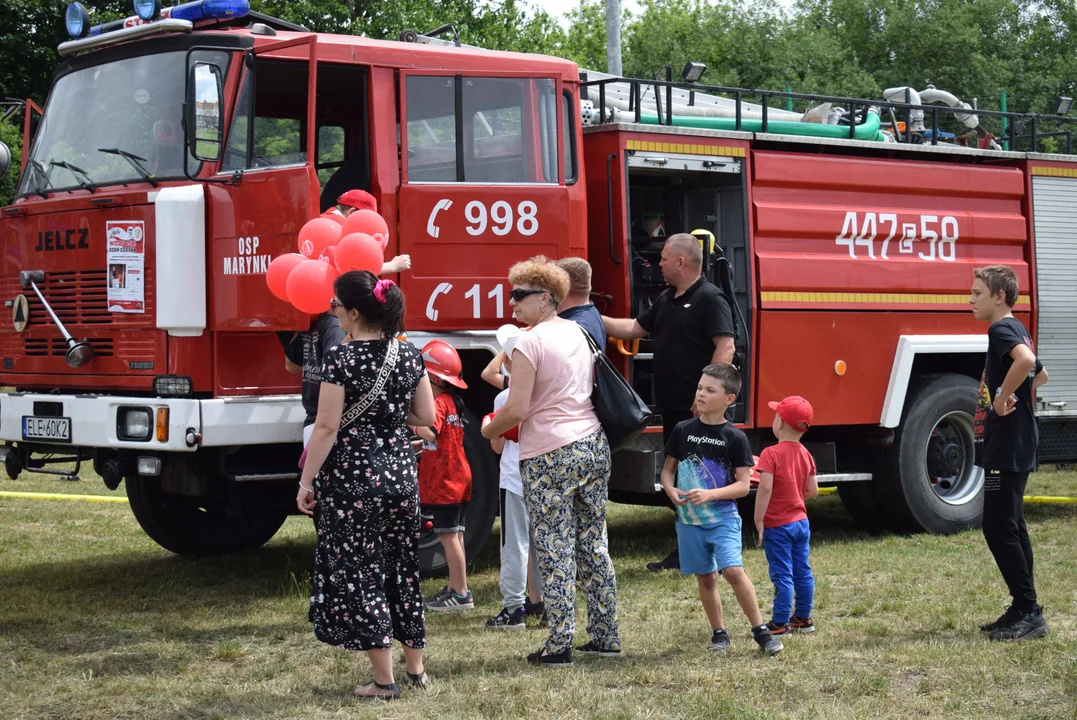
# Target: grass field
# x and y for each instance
(98, 622)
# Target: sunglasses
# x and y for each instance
(519, 294)
(334, 304)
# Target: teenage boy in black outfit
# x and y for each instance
(1006, 443)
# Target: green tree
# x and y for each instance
(10, 135)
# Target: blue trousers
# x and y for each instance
(787, 548)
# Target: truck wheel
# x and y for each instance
(482, 509)
(199, 526)
(927, 480)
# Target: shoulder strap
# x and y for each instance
(367, 400)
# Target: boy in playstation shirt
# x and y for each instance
(707, 468)
(1006, 443)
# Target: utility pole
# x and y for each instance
(613, 37)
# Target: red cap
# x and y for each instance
(794, 411)
(358, 199)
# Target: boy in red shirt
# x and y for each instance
(444, 473)
(786, 479)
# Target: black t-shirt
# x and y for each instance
(707, 458)
(308, 350)
(1008, 443)
(684, 329)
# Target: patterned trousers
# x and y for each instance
(565, 491)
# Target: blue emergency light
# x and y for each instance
(148, 10)
(77, 19)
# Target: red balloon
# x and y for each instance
(334, 216)
(329, 255)
(317, 235)
(310, 286)
(359, 252)
(369, 223)
(279, 269)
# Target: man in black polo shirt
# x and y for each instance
(693, 327)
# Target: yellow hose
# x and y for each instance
(1032, 499)
(62, 496)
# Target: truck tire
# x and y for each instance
(481, 511)
(927, 480)
(192, 526)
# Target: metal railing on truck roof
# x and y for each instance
(669, 103)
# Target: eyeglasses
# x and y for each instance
(334, 304)
(519, 294)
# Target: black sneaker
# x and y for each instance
(1006, 619)
(593, 648)
(767, 642)
(534, 609)
(669, 562)
(436, 596)
(719, 640)
(507, 620)
(777, 628)
(1028, 626)
(563, 659)
(802, 624)
(452, 602)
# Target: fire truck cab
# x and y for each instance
(178, 153)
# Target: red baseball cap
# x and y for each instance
(794, 411)
(358, 199)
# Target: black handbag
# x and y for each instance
(621, 411)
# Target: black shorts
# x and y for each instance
(446, 518)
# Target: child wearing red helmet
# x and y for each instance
(357, 199)
(444, 473)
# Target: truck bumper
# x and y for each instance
(97, 421)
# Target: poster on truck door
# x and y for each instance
(126, 253)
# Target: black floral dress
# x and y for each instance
(365, 589)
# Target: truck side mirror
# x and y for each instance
(5, 160)
(203, 127)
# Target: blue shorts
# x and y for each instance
(706, 548)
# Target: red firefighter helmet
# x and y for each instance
(443, 361)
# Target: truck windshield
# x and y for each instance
(113, 123)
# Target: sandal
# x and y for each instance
(420, 681)
(373, 686)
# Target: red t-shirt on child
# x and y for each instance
(444, 474)
(791, 465)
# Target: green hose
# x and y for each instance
(867, 130)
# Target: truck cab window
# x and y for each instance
(280, 111)
(509, 130)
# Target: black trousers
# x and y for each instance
(1006, 534)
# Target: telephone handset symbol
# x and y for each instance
(441, 289)
(431, 227)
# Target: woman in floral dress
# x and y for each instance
(360, 484)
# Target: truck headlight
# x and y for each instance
(134, 424)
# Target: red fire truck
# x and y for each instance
(181, 150)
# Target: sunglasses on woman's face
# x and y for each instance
(519, 294)
(334, 304)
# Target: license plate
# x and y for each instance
(54, 429)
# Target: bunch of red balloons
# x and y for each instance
(328, 246)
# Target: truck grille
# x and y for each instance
(57, 347)
(79, 297)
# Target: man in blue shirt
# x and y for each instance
(577, 305)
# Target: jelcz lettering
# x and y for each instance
(61, 240)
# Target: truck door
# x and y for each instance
(259, 218)
(482, 189)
